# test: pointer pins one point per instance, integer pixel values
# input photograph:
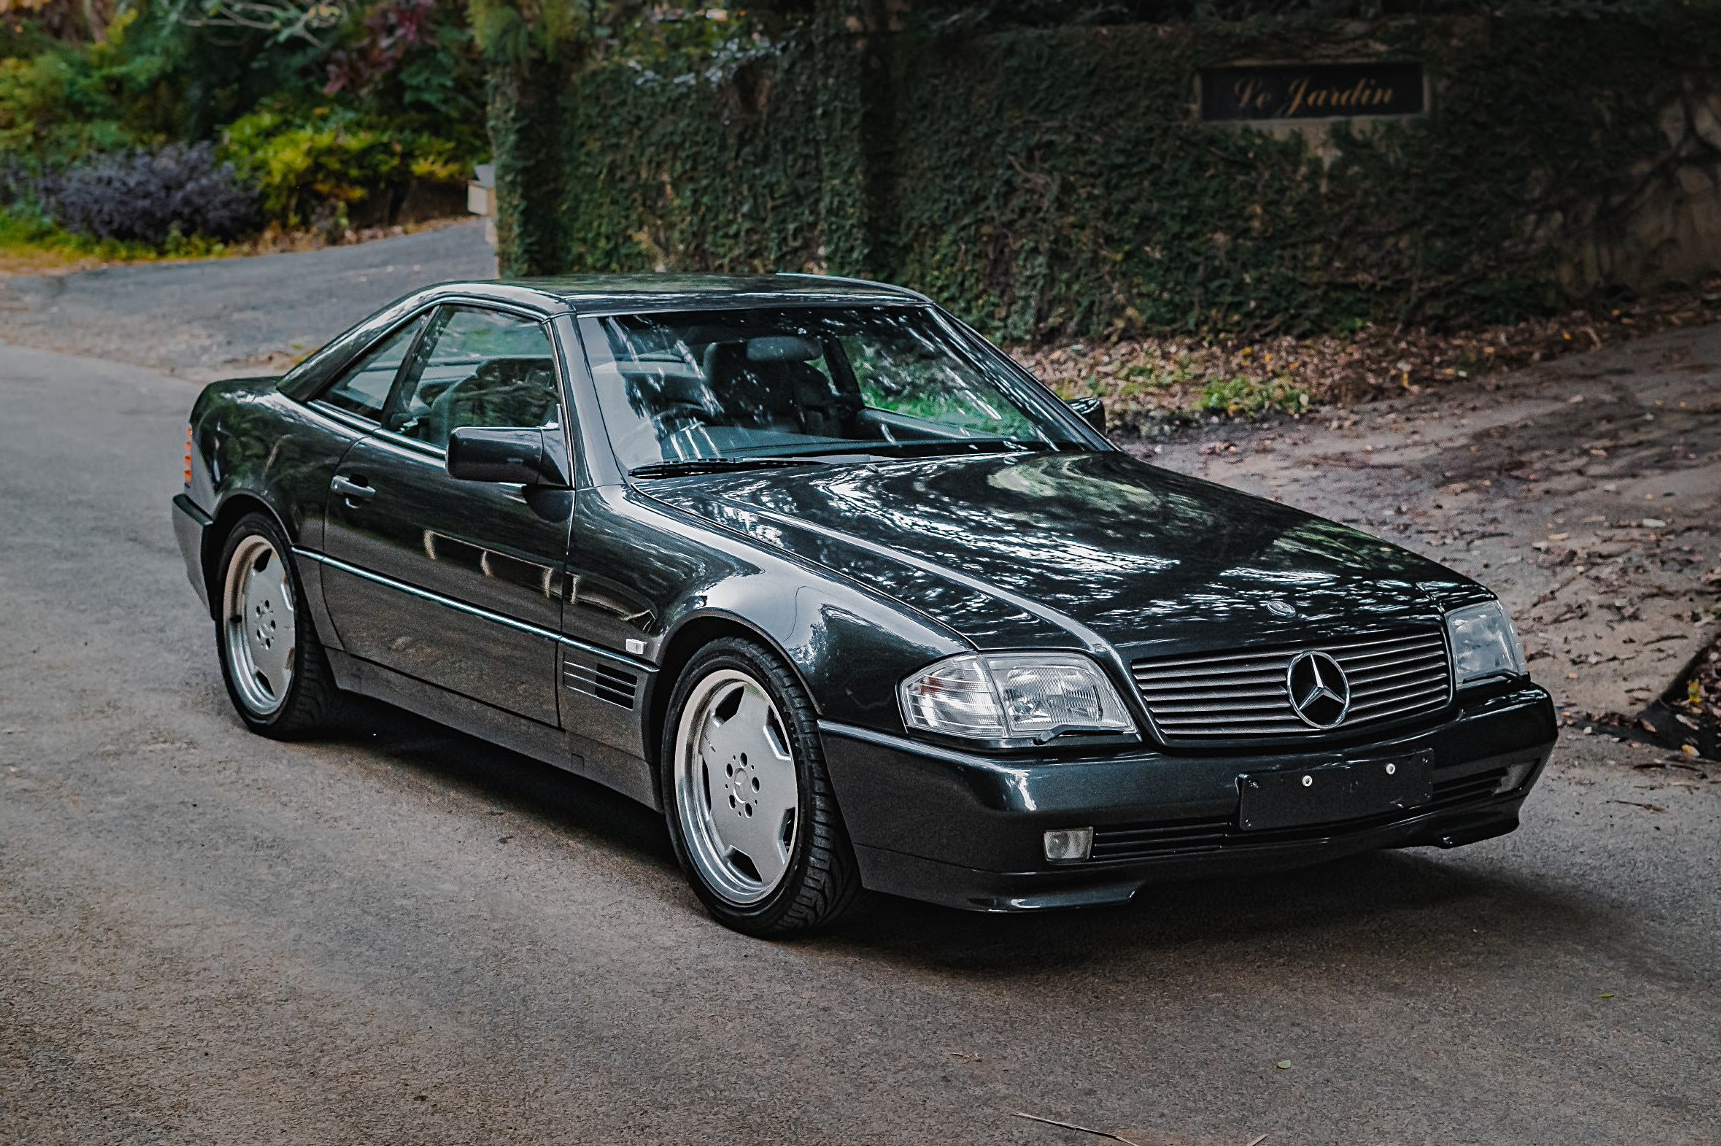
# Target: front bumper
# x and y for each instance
(965, 829)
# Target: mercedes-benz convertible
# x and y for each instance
(856, 601)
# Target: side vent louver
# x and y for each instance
(605, 682)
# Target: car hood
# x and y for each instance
(1014, 550)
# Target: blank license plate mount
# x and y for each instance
(1334, 792)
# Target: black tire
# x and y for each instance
(820, 881)
(310, 701)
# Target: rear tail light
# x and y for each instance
(188, 457)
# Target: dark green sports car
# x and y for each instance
(812, 567)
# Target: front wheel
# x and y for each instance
(747, 798)
(276, 672)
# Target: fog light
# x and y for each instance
(1071, 845)
(1514, 778)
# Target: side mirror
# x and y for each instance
(508, 454)
(1090, 410)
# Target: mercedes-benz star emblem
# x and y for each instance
(1320, 693)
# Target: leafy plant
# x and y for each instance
(150, 196)
(1143, 377)
(329, 161)
(55, 105)
(403, 107)
(413, 62)
(1248, 396)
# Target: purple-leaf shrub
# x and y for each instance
(150, 196)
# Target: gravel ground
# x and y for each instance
(404, 935)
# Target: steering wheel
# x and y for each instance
(676, 417)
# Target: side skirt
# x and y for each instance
(608, 766)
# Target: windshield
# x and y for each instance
(811, 383)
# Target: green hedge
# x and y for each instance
(1055, 181)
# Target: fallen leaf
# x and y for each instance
(1605, 995)
(1283, 1064)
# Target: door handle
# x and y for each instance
(354, 490)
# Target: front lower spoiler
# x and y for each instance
(965, 829)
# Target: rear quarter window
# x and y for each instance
(364, 387)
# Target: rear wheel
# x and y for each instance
(276, 672)
(748, 801)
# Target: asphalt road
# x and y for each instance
(213, 317)
(406, 936)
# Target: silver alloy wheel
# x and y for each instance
(258, 617)
(737, 794)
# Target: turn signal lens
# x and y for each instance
(954, 698)
(188, 457)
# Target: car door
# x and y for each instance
(457, 583)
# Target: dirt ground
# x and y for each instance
(1586, 492)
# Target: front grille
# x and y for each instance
(1242, 695)
(1184, 837)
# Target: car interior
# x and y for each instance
(762, 394)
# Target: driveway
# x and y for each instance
(403, 935)
(220, 317)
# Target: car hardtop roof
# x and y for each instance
(612, 293)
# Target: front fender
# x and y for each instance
(660, 582)
(849, 649)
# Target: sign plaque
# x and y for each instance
(1310, 91)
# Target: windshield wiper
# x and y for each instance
(942, 447)
(715, 466)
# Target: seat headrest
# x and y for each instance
(782, 348)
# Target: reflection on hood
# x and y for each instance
(1020, 549)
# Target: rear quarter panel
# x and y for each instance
(253, 445)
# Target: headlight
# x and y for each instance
(1484, 644)
(1029, 697)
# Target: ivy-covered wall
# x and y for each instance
(1057, 181)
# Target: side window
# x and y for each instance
(363, 388)
(477, 367)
